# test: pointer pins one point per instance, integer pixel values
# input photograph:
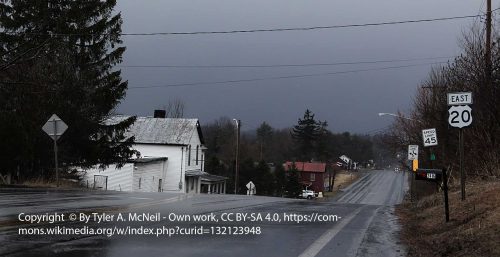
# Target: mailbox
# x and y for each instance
(435, 175)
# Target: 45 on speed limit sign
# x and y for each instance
(460, 116)
(430, 137)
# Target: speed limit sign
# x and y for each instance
(460, 116)
(430, 137)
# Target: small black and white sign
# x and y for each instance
(430, 137)
(460, 116)
(460, 98)
(413, 152)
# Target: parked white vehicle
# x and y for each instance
(308, 194)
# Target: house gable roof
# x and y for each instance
(306, 166)
(166, 131)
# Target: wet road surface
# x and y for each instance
(365, 224)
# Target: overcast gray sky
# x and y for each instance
(349, 101)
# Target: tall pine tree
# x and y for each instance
(57, 56)
(264, 135)
(305, 134)
(293, 187)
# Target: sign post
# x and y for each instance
(460, 116)
(445, 192)
(55, 127)
(413, 156)
(440, 177)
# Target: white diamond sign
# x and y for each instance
(250, 185)
(55, 127)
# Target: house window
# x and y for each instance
(189, 155)
(313, 177)
(197, 149)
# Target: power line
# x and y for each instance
(283, 77)
(259, 30)
(284, 65)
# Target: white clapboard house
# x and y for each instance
(171, 159)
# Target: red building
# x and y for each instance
(312, 174)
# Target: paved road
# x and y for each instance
(364, 224)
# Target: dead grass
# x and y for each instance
(342, 180)
(473, 229)
(41, 182)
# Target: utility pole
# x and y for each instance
(237, 155)
(488, 41)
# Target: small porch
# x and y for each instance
(213, 184)
(198, 181)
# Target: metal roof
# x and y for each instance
(306, 166)
(148, 159)
(212, 178)
(195, 173)
(205, 176)
(169, 131)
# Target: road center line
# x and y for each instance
(316, 247)
(140, 198)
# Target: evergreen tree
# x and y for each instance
(58, 57)
(293, 188)
(323, 143)
(263, 179)
(264, 135)
(246, 174)
(306, 134)
(280, 180)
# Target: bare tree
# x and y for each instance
(175, 108)
(467, 72)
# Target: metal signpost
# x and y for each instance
(55, 127)
(437, 176)
(413, 156)
(460, 116)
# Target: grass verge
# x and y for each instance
(473, 229)
(342, 180)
